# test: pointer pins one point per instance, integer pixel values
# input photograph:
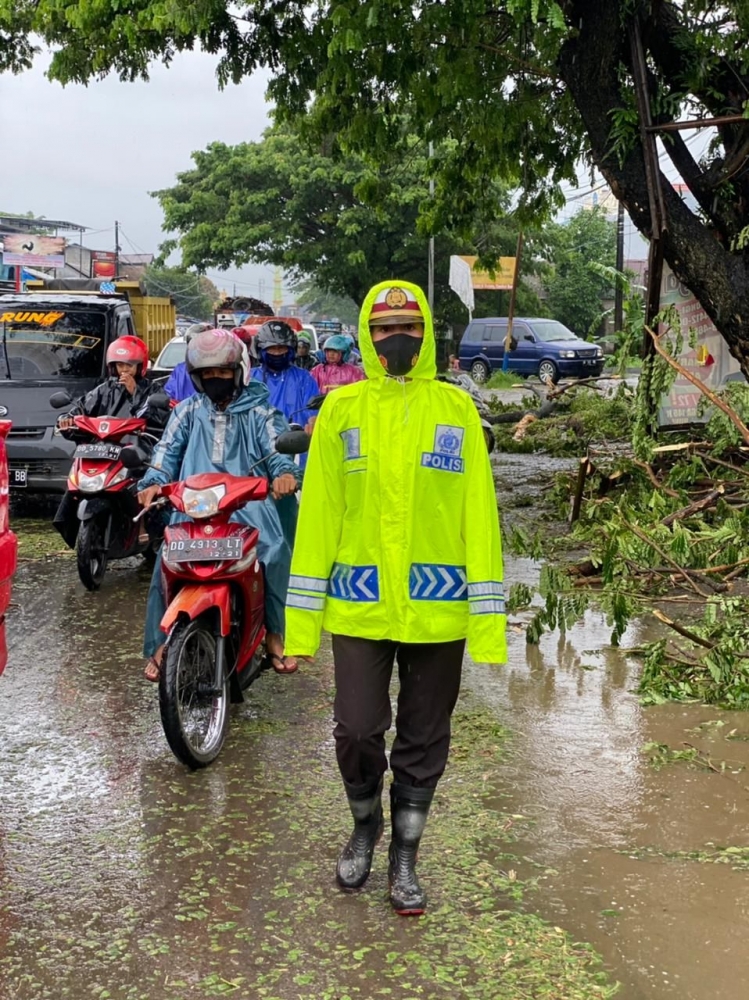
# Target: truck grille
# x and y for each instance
(41, 467)
(586, 354)
(27, 432)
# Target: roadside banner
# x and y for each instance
(461, 281)
(482, 280)
(709, 359)
(31, 250)
(103, 264)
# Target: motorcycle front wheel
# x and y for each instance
(90, 552)
(195, 715)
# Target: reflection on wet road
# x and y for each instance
(122, 875)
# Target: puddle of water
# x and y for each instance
(665, 926)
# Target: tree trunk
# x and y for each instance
(589, 65)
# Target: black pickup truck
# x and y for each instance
(49, 342)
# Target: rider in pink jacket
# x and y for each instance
(336, 370)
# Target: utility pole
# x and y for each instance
(513, 299)
(618, 289)
(277, 290)
(430, 280)
(117, 249)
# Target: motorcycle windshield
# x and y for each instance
(51, 343)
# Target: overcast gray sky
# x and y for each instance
(90, 155)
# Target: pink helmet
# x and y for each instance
(214, 349)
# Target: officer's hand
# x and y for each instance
(310, 425)
(284, 486)
(147, 496)
(66, 423)
(128, 382)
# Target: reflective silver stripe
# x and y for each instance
(308, 583)
(305, 602)
(490, 588)
(219, 438)
(486, 607)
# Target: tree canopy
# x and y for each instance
(194, 295)
(335, 219)
(575, 289)
(522, 89)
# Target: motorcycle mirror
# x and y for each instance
(158, 401)
(292, 443)
(132, 457)
(316, 402)
(59, 400)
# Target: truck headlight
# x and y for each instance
(567, 354)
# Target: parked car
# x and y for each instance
(545, 347)
(170, 357)
(8, 543)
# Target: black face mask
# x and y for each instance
(218, 390)
(399, 353)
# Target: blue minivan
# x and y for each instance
(545, 347)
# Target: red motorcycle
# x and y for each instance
(101, 495)
(215, 596)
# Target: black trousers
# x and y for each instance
(429, 675)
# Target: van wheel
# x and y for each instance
(480, 371)
(547, 371)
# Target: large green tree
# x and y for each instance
(337, 220)
(522, 88)
(575, 288)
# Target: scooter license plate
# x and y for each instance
(204, 549)
(105, 451)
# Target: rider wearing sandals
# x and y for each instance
(226, 427)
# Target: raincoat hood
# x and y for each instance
(426, 366)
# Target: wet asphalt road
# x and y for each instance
(123, 875)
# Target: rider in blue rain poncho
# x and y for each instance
(226, 427)
(291, 388)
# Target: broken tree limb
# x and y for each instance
(586, 467)
(666, 558)
(654, 479)
(694, 508)
(685, 632)
(715, 400)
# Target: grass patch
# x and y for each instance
(504, 380)
(37, 539)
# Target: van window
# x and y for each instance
(497, 334)
(474, 333)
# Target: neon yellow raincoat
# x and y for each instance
(398, 534)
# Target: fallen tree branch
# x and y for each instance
(665, 556)
(654, 479)
(684, 632)
(715, 400)
(694, 508)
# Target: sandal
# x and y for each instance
(153, 670)
(279, 664)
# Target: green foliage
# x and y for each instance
(194, 295)
(336, 220)
(577, 251)
(324, 305)
(582, 419)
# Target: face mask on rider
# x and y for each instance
(276, 362)
(218, 390)
(398, 353)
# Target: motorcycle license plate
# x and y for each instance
(106, 451)
(204, 549)
(19, 477)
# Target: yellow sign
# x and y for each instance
(40, 319)
(504, 273)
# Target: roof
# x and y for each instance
(67, 300)
(32, 225)
(136, 258)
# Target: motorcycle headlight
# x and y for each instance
(567, 354)
(122, 474)
(91, 484)
(203, 503)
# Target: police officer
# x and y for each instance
(398, 556)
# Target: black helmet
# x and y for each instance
(274, 333)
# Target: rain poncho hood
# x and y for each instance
(426, 366)
(398, 534)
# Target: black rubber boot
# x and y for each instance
(355, 860)
(409, 807)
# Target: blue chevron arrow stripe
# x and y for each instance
(354, 583)
(435, 582)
